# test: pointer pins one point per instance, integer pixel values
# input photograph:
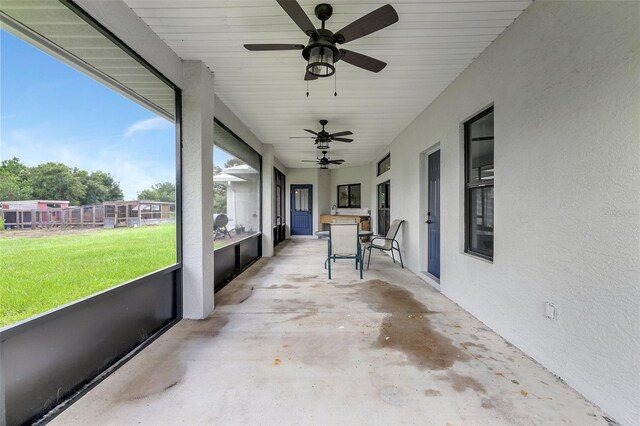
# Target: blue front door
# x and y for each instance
(301, 210)
(433, 215)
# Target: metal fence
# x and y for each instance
(108, 215)
(77, 217)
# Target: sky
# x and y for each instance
(51, 112)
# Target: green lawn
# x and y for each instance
(38, 274)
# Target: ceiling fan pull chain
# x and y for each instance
(335, 84)
(307, 88)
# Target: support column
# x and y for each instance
(197, 190)
(268, 187)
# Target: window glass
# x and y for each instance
(480, 161)
(343, 196)
(349, 196)
(301, 200)
(384, 164)
(87, 180)
(236, 179)
(384, 192)
(479, 174)
(481, 220)
(354, 194)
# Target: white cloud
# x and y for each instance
(156, 123)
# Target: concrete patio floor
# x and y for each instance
(287, 346)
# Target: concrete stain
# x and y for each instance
(153, 378)
(277, 361)
(234, 295)
(486, 403)
(285, 286)
(408, 328)
(207, 328)
(460, 382)
(466, 345)
(300, 278)
(393, 395)
(432, 392)
(257, 269)
(303, 309)
(294, 305)
(301, 317)
(524, 393)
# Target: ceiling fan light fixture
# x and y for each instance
(321, 61)
(323, 145)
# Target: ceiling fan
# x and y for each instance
(323, 137)
(321, 52)
(324, 161)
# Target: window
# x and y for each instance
(237, 192)
(279, 207)
(349, 196)
(237, 205)
(479, 172)
(384, 164)
(89, 175)
(384, 207)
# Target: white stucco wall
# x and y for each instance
(564, 80)
(324, 193)
(351, 175)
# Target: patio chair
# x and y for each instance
(344, 220)
(387, 243)
(344, 244)
(220, 226)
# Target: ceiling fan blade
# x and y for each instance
(346, 133)
(370, 23)
(308, 76)
(295, 12)
(342, 139)
(301, 137)
(310, 161)
(264, 47)
(363, 61)
(336, 161)
(310, 131)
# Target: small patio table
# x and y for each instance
(361, 233)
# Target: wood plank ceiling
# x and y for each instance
(433, 42)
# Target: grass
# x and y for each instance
(38, 274)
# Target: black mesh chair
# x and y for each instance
(220, 226)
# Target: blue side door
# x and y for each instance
(433, 216)
(301, 210)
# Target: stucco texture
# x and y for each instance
(564, 82)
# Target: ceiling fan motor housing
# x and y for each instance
(323, 11)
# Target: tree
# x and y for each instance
(99, 187)
(233, 162)
(56, 181)
(219, 193)
(163, 191)
(14, 181)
